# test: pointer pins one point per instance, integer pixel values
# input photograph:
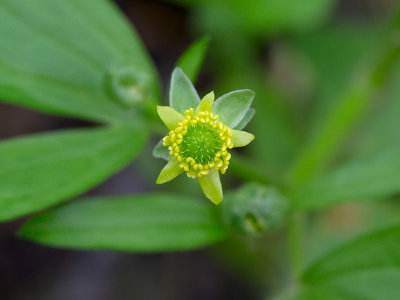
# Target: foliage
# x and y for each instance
(326, 128)
(43, 169)
(145, 223)
(348, 271)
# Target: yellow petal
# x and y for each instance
(206, 103)
(170, 171)
(241, 138)
(211, 185)
(169, 116)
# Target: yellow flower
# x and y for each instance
(200, 137)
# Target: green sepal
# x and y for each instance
(160, 151)
(246, 119)
(211, 185)
(182, 94)
(170, 171)
(206, 103)
(169, 116)
(241, 138)
(233, 106)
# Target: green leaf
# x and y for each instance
(56, 57)
(192, 59)
(259, 18)
(211, 185)
(246, 119)
(333, 53)
(159, 151)
(349, 109)
(270, 16)
(330, 228)
(380, 132)
(170, 171)
(365, 268)
(182, 94)
(375, 177)
(233, 106)
(145, 223)
(43, 169)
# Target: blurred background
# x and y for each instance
(297, 54)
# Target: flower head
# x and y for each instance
(202, 133)
(200, 143)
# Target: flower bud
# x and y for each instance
(127, 86)
(254, 209)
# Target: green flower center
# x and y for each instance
(201, 142)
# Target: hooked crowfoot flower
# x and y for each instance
(202, 133)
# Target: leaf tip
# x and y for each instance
(216, 200)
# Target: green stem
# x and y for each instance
(295, 243)
(351, 107)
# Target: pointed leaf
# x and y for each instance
(55, 56)
(233, 106)
(350, 269)
(246, 119)
(241, 138)
(374, 177)
(206, 103)
(169, 116)
(192, 59)
(43, 169)
(211, 185)
(182, 94)
(170, 171)
(145, 223)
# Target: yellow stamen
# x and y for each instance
(192, 167)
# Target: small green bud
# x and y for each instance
(254, 209)
(126, 86)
